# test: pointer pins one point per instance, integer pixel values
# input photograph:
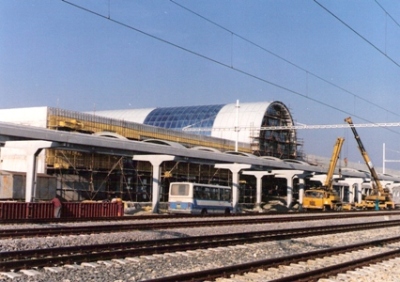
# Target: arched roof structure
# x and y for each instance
(243, 124)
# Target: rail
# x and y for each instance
(17, 260)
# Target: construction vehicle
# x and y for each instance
(380, 198)
(325, 198)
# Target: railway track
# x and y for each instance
(189, 216)
(98, 219)
(303, 267)
(107, 228)
(149, 216)
(78, 254)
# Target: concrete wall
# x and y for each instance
(16, 160)
(12, 186)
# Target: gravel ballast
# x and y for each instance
(142, 268)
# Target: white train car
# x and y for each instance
(195, 198)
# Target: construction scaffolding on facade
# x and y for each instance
(89, 176)
(93, 176)
(281, 144)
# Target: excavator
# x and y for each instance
(380, 198)
(325, 198)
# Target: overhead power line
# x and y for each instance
(387, 13)
(209, 58)
(357, 33)
(109, 18)
(282, 58)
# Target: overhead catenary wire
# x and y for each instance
(357, 33)
(282, 58)
(230, 66)
(387, 13)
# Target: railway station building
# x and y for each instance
(243, 129)
(232, 128)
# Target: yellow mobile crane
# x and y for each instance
(325, 197)
(381, 197)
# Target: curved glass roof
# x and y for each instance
(177, 118)
(245, 123)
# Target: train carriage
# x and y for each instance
(196, 198)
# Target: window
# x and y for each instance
(314, 194)
(201, 193)
(225, 194)
(179, 117)
(180, 190)
(214, 194)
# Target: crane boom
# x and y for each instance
(325, 197)
(381, 197)
(332, 163)
(365, 156)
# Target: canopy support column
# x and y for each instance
(156, 161)
(235, 169)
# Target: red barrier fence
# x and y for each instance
(87, 210)
(16, 210)
(11, 210)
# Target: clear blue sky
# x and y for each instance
(159, 54)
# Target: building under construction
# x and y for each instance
(247, 123)
(223, 128)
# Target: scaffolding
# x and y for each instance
(93, 176)
(96, 177)
(282, 143)
(64, 120)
